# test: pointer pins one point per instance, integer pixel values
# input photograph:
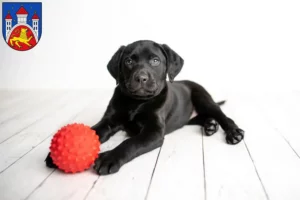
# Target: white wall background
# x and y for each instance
(232, 45)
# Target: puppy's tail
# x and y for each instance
(220, 103)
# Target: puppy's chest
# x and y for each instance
(134, 125)
(136, 116)
(135, 122)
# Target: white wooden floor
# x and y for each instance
(266, 165)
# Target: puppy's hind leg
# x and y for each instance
(210, 126)
(208, 110)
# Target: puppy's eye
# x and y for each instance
(154, 62)
(128, 61)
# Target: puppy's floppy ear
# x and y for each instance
(113, 65)
(174, 62)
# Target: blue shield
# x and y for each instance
(22, 24)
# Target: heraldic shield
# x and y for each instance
(22, 24)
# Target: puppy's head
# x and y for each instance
(140, 68)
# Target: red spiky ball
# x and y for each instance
(74, 148)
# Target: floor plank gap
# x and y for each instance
(277, 130)
(40, 184)
(150, 182)
(265, 191)
(204, 173)
(89, 191)
(24, 154)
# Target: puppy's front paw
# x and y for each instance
(210, 127)
(49, 162)
(107, 163)
(103, 137)
(234, 136)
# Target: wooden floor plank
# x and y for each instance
(282, 111)
(14, 148)
(179, 172)
(79, 184)
(264, 162)
(22, 122)
(7, 98)
(17, 97)
(23, 177)
(8, 95)
(131, 181)
(229, 171)
(27, 105)
(276, 163)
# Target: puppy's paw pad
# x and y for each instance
(49, 162)
(234, 136)
(211, 126)
(106, 163)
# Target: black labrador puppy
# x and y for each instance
(147, 107)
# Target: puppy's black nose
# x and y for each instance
(141, 78)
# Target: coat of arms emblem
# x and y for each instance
(22, 24)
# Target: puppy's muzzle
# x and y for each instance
(141, 78)
(142, 84)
